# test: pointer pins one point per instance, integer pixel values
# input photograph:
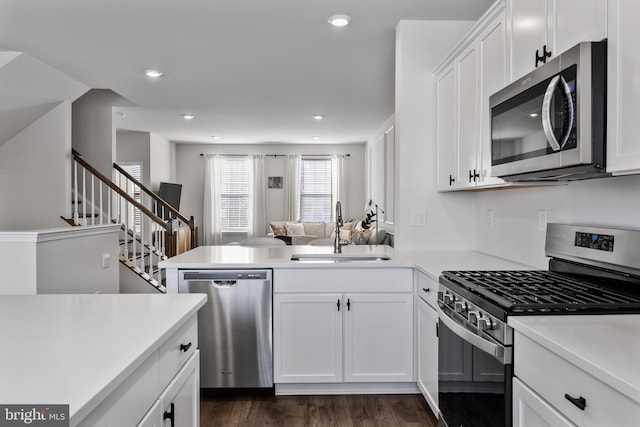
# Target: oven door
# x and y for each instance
(474, 375)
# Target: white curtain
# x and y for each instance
(211, 228)
(257, 197)
(292, 188)
(339, 186)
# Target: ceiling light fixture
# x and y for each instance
(121, 114)
(316, 137)
(215, 137)
(188, 116)
(318, 117)
(340, 20)
(153, 73)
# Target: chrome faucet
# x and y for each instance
(337, 247)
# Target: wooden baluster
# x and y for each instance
(126, 233)
(101, 209)
(142, 248)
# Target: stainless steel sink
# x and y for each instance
(339, 257)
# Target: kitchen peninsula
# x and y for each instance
(114, 359)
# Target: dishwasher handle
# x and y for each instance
(225, 283)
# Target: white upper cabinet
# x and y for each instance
(542, 29)
(623, 91)
(475, 70)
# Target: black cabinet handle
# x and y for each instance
(338, 305)
(170, 415)
(451, 180)
(580, 402)
(185, 347)
(542, 58)
(476, 175)
(426, 289)
(348, 304)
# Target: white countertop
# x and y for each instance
(430, 262)
(76, 349)
(605, 346)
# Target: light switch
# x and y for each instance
(418, 217)
(106, 260)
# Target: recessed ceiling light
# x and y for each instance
(153, 73)
(318, 117)
(533, 114)
(316, 137)
(188, 116)
(339, 20)
(215, 137)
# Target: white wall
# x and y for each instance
(515, 234)
(420, 46)
(35, 173)
(134, 147)
(190, 173)
(161, 161)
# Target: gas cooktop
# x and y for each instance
(529, 292)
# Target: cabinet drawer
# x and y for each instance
(177, 349)
(427, 288)
(551, 376)
(342, 280)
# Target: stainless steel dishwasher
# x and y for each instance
(234, 326)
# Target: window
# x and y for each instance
(134, 214)
(315, 189)
(234, 194)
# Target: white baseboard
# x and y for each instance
(347, 388)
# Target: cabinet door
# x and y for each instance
(467, 122)
(153, 417)
(378, 341)
(307, 338)
(428, 353)
(492, 70)
(180, 401)
(575, 21)
(446, 128)
(623, 106)
(530, 410)
(527, 21)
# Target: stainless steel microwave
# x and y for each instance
(550, 125)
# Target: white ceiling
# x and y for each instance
(252, 71)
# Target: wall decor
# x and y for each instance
(275, 182)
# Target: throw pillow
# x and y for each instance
(294, 228)
(279, 230)
(314, 228)
(345, 236)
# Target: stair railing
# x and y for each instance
(187, 236)
(104, 202)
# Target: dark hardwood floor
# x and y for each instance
(349, 410)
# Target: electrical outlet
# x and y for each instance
(490, 219)
(106, 260)
(418, 217)
(542, 220)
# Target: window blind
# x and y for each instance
(315, 189)
(234, 194)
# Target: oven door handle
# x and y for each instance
(502, 354)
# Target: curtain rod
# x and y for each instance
(285, 155)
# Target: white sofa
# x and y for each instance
(301, 233)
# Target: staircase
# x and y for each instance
(151, 229)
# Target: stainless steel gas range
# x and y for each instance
(592, 270)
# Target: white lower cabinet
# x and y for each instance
(358, 331)
(166, 383)
(427, 353)
(179, 402)
(530, 410)
(555, 383)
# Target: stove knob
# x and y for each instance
(448, 299)
(485, 324)
(474, 316)
(460, 306)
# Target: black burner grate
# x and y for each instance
(535, 291)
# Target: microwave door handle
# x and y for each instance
(546, 114)
(570, 111)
